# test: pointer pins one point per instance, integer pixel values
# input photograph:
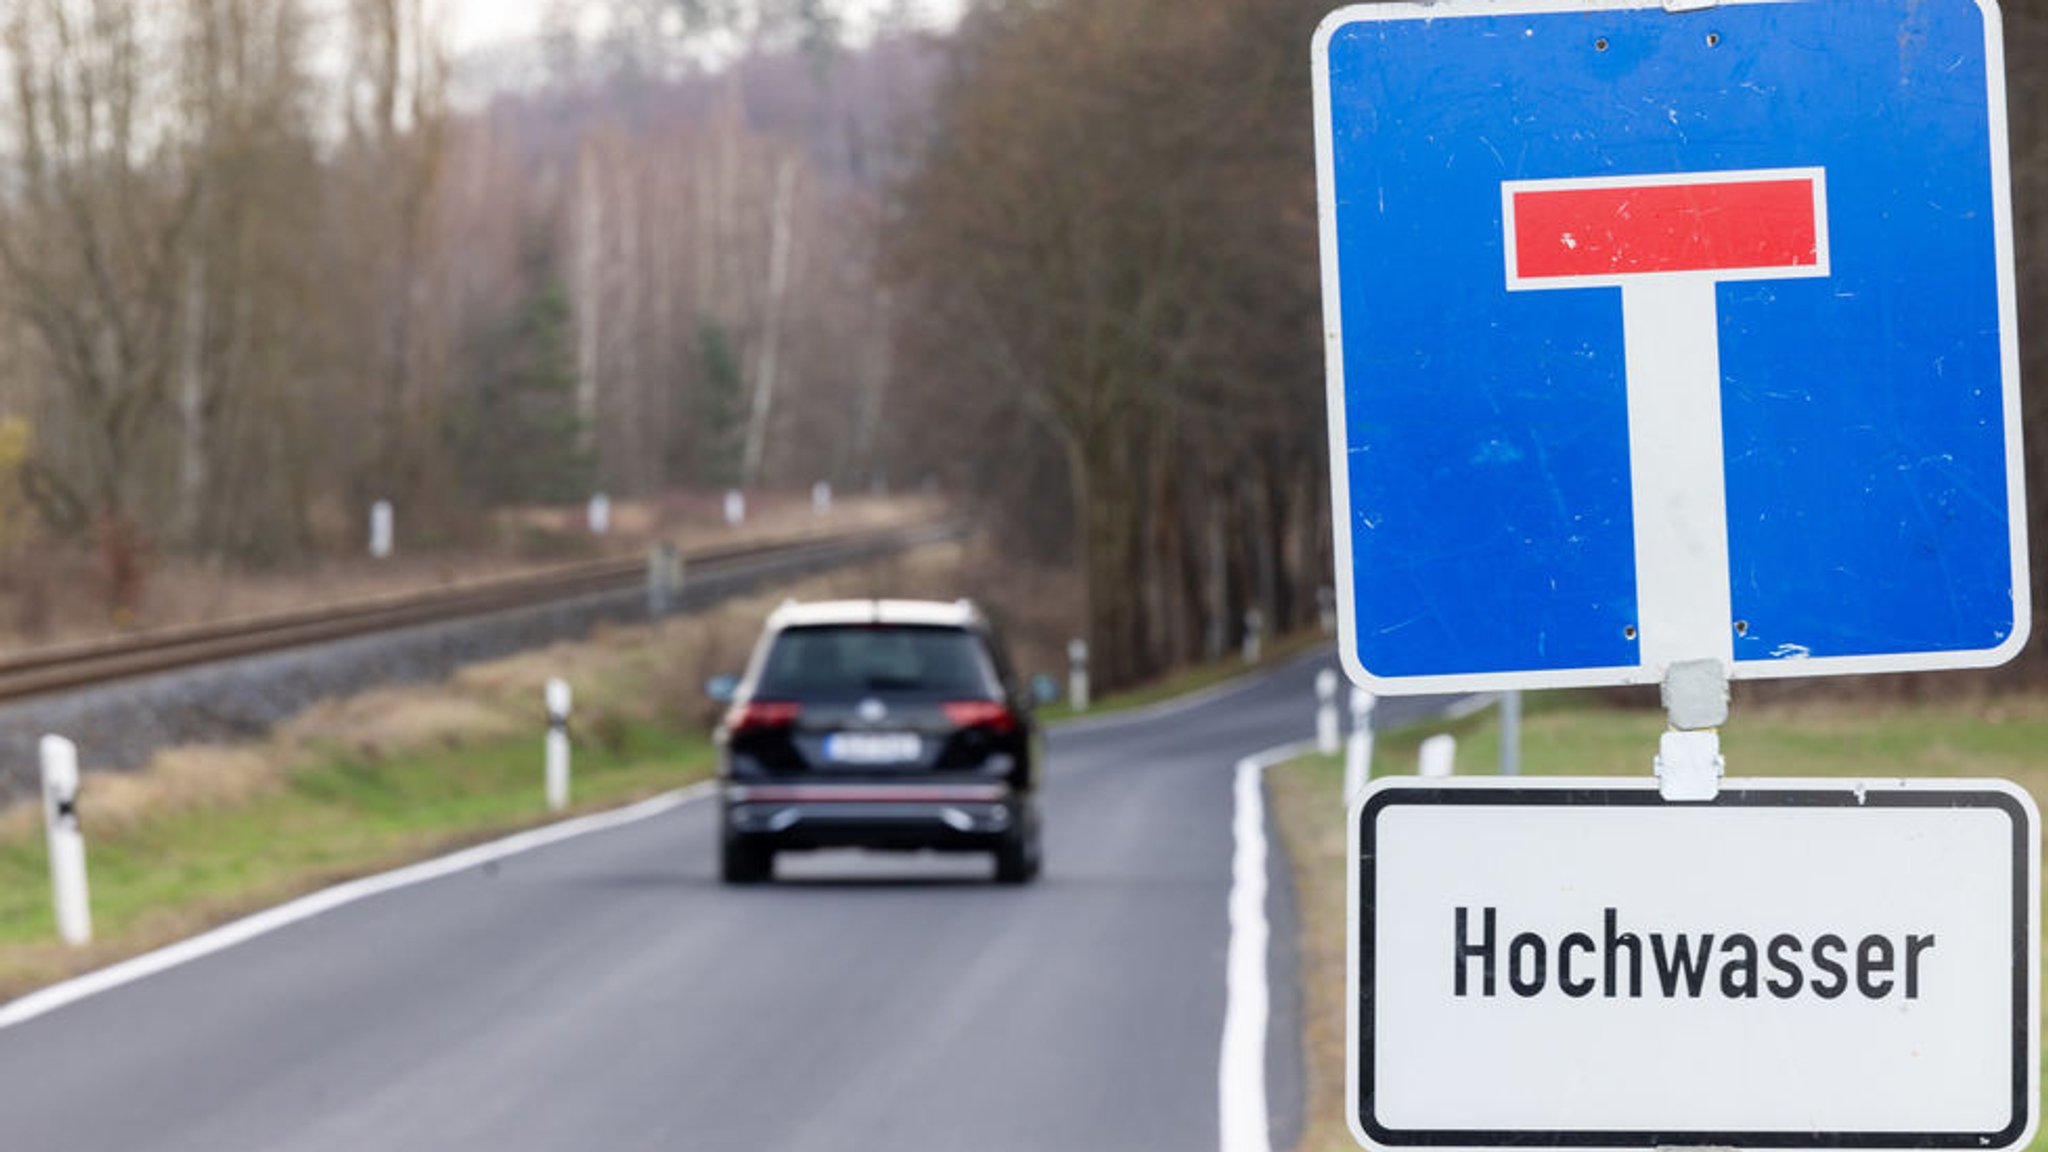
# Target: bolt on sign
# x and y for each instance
(1674, 342)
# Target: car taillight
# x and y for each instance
(990, 714)
(758, 714)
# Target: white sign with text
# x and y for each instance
(1795, 964)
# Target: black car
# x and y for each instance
(882, 724)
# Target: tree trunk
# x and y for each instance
(589, 249)
(192, 407)
(1215, 628)
(780, 241)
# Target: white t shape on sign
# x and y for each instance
(1666, 242)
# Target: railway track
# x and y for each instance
(72, 666)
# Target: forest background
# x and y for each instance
(263, 262)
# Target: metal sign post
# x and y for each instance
(1511, 732)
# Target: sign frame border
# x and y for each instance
(2000, 136)
(1612, 792)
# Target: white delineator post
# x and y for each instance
(1077, 674)
(1254, 635)
(381, 530)
(599, 514)
(821, 498)
(67, 841)
(1326, 712)
(1666, 242)
(557, 696)
(1439, 756)
(735, 508)
(1358, 749)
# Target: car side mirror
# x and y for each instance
(1044, 689)
(722, 688)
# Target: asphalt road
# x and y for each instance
(605, 992)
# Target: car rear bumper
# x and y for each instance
(963, 817)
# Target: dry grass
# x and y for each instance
(176, 780)
(621, 675)
(387, 722)
(180, 780)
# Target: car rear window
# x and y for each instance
(859, 660)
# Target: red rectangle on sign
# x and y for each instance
(1705, 227)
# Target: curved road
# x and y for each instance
(605, 992)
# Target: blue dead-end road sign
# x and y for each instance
(1661, 336)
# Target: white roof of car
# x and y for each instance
(955, 613)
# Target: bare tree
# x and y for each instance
(257, 292)
(395, 338)
(245, 268)
(93, 245)
(1109, 230)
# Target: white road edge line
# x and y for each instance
(1243, 1123)
(326, 900)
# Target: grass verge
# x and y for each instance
(1568, 734)
(338, 816)
(1187, 680)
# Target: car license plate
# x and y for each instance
(872, 747)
